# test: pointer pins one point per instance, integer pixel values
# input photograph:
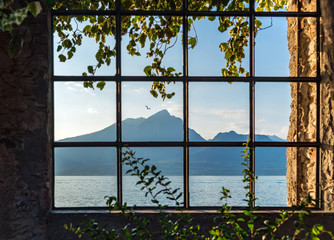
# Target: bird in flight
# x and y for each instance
(147, 108)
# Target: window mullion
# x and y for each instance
(185, 108)
(118, 102)
(252, 95)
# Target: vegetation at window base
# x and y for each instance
(227, 225)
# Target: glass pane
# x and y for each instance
(85, 46)
(200, 5)
(84, 176)
(270, 167)
(207, 39)
(154, 42)
(272, 55)
(272, 111)
(82, 114)
(146, 118)
(210, 169)
(85, 5)
(218, 111)
(167, 160)
(165, 5)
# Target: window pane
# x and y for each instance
(152, 41)
(146, 118)
(207, 57)
(86, 43)
(83, 114)
(210, 169)
(165, 5)
(218, 111)
(84, 176)
(272, 55)
(167, 160)
(272, 111)
(270, 167)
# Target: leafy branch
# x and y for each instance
(11, 17)
(157, 34)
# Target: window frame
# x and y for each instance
(185, 79)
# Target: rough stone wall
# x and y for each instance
(301, 161)
(303, 63)
(24, 128)
(327, 104)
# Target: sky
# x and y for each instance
(213, 107)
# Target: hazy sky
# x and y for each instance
(213, 107)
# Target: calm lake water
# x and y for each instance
(89, 191)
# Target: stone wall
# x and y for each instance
(24, 131)
(327, 104)
(301, 162)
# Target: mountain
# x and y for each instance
(164, 127)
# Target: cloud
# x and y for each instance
(261, 120)
(173, 108)
(79, 88)
(140, 90)
(92, 111)
(230, 114)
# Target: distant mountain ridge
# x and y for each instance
(162, 126)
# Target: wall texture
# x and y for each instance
(24, 142)
(301, 162)
(327, 104)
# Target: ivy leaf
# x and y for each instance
(62, 58)
(90, 69)
(35, 8)
(192, 42)
(154, 93)
(101, 85)
(15, 46)
(147, 70)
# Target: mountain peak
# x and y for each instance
(163, 112)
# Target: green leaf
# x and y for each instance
(15, 46)
(90, 69)
(147, 70)
(247, 213)
(62, 58)
(192, 42)
(212, 18)
(154, 93)
(101, 85)
(35, 8)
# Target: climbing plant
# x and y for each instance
(157, 34)
(11, 16)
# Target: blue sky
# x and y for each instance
(213, 107)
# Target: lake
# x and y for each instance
(89, 191)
